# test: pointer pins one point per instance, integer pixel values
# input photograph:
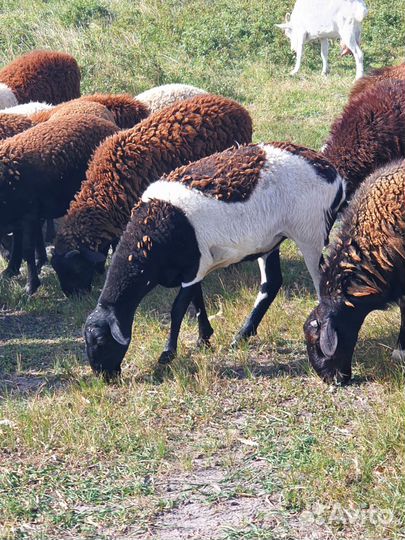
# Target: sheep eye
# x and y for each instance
(314, 323)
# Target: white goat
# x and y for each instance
(324, 19)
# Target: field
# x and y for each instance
(241, 444)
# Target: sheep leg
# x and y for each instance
(14, 264)
(28, 241)
(312, 258)
(205, 329)
(324, 55)
(40, 249)
(399, 353)
(177, 313)
(271, 281)
(50, 230)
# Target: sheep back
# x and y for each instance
(377, 75)
(48, 76)
(11, 124)
(369, 133)
(159, 97)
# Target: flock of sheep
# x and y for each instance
(170, 180)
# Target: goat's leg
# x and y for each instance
(299, 52)
(50, 230)
(16, 255)
(271, 281)
(29, 236)
(40, 250)
(178, 311)
(399, 353)
(205, 330)
(324, 55)
(351, 38)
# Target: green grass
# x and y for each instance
(250, 438)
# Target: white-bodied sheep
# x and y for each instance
(228, 207)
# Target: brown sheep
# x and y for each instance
(364, 271)
(126, 164)
(40, 171)
(11, 124)
(127, 110)
(369, 133)
(377, 75)
(48, 76)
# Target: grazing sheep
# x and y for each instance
(364, 271)
(79, 107)
(369, 133)
(126, 164)
(11, 124)
(127, 111)
(48, 76)
(40, 171)
(163, 96)
(377, 75)
(321, 19)
(28, 108)
(228, 207)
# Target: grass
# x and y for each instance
(244, 444)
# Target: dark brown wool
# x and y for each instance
(229, 176)
(11, 124)
(126, 110)
(129, 161)
(369, 133)
(371, 243)
(48, 76)
(377, 75)
(44, 166)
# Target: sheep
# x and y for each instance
(127, 111)
(235, 205)
(364, 271)
(125, 165)
(28, 108)
(318, 19)
(369, 133)
(377, 75)
(11, 124)
(40, 171)
(48, 76)
(163, 96)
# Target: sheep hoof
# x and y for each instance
(166, 357)
(160, 372)
(398, 355)
(204, 343)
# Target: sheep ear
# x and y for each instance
(94, 257)
(116, 331)
(328, 340)
(287, 17)
(283, 26)
(72, 253)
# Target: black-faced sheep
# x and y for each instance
(364, 271)
(369, 133)
(126, 110)
(159, 97)
(377, 75)
(236, 205)
(48, 76)
(40, 171)
(126, 164)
